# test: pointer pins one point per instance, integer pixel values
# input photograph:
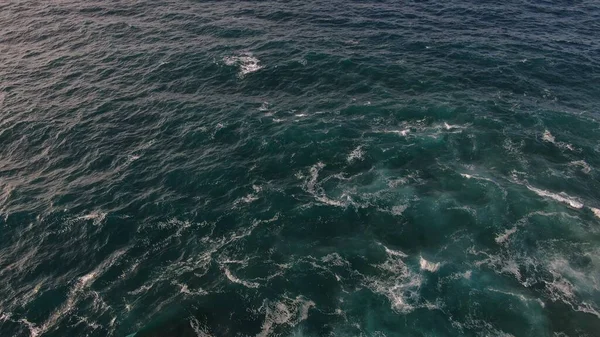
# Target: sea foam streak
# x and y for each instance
(558, 197)
(76, 291)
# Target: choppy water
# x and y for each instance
(299, 168)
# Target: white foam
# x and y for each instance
(199, 329)
(548, 137)
(585, 168)
(414, 176)
(335, 259)
(429, 266)
(234, 279)
(399, 209)
(246, 63)
(596, 211)
(311, 186)
(287, 311)
(562, 197)
(498, 263)
(519, 296)
(78, 289)
(96, 216)
(356, 154)
(247, 199)
(264, 106)
(453, 127)
(470, 176)
(504, 236)
(184, 289)
(33, 330)
(403, 132)
(132, 157)
(588, 309)
(394, 252)
(396, 282)
(250, 197)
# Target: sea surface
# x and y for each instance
(177, 168)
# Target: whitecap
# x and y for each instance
(429, 266)
(596, 211)
(246, 63)
(548, 137)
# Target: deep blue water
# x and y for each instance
(299, 168)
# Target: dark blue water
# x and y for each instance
(299, 168)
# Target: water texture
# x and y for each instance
(299, 168)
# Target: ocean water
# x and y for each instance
(299, 168)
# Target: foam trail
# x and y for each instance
(234, 279)
(504, 236)
(77, 289)
(558, 197)
(585, 167)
